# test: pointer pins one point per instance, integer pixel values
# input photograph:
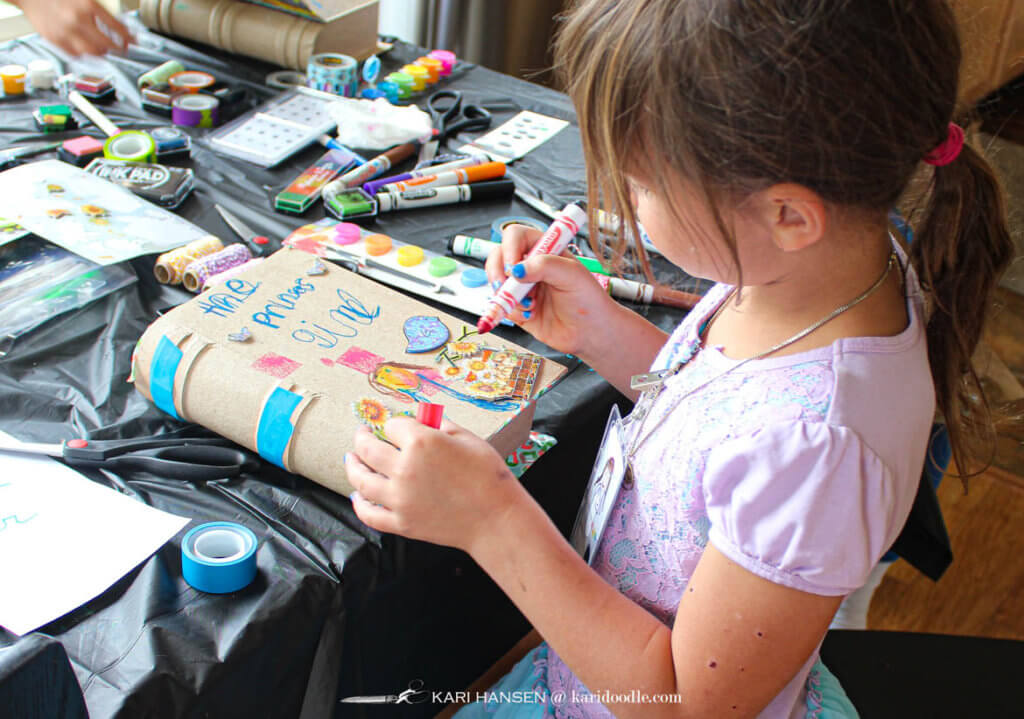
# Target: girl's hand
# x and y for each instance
(444, 486)
(79, 27)
(565, 309)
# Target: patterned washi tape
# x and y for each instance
(195, 110)
(334, 73)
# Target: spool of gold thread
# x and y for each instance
(170, 266)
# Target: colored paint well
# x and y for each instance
(410, 255)
(442, 266)
(377, 245)
(474, 277)
(346, 233)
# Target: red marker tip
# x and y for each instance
(484, 326)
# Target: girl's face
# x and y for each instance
(690, 237)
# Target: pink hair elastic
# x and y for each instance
(949, 149)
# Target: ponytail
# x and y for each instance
(962, 247)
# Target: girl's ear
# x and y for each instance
(796, 216)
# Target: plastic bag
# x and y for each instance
(377, 124)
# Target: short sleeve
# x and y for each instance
(806, 505)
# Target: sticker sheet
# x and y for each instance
(87, 215)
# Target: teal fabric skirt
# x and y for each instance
(523, 693)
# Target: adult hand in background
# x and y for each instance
(78, 27)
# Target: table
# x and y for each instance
(337, 610)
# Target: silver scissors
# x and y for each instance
(415, 694)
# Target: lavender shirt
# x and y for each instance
(800, 468)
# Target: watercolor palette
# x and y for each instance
(396, 263)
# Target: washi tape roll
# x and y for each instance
(130, 146)
(160, 74)
(42, 75)
(499, 225)
(170, 266)
(219, 557)
(195, 110)
(191, 81)
(203, 268)
(13, 79)
(285, 79)
(334, 73)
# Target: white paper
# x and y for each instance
(65, 539)
(87, 215)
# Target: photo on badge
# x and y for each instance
(602, 489)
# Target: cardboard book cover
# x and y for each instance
(290, 357)
(264, 33)
(321, 10)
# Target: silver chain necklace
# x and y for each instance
(652, 384)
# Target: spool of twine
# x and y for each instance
(206, 267)
(170, 266)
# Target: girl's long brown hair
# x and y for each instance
(844, 97)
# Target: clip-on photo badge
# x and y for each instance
(602, 489)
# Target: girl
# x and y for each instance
(774, 455)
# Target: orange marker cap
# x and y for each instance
(485, 171)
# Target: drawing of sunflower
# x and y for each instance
(371, 412)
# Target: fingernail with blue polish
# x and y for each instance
(495, 285)
(508, 269)
(518, 271)
(527, 302)
(527, 314)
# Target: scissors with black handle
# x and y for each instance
(176, 458)
(451, 116)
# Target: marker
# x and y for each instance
(461, 176)
(427, 196)
(645, 294)
(378, 165)
(429, 414)
(470, 161)
(480, 249)
(555, 239)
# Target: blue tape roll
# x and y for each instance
(275, 426)
(162, 369)
(499, 224)
(219, 557)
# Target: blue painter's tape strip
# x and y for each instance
(275, 428)
(162, 369)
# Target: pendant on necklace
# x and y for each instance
(650, 380)
(627, 478)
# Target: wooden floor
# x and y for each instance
(982, 593)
